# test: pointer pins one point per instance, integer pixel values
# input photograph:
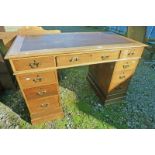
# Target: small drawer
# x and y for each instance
(119, 78)
(36, 79)
(105, 55)
(41, 92)
(40, 105)
(131, 53)
(51, 114)
(69, 60)
(118, 87)
(33, 63)
(126, 65)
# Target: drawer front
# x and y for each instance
(36, 106)
(41, 92)
(126, 65)
(33, 63)
(118, 87)
(119, 78)
(131, 53)
(50, 113)
(105, 55)
(69, 60)
(37, 79)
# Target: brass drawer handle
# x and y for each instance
(104, 57)
(41, 93)
(37, 79)
(122, 77)
(131, 53)
(126, 66)
(44, 105)
(73, 59)
(34, 64)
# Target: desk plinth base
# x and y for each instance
(106, 99)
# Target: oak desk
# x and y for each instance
(112, 61)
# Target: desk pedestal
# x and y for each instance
(109, 83)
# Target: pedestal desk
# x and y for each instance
(112, 61)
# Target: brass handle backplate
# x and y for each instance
(74, 59)
(104, 57)
(131, 53)
(122, 77)
(44, 105)
(126, 66)
(41, 92)
(37, 79)
(34, 64)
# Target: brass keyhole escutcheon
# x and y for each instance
(37, 79)
(34, 64)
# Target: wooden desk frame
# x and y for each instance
(108, 76)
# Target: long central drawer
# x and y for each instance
(96, 56)
(73, 59)
(105, 55)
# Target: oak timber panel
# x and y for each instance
(37, 79)
(120, 77)
(36, 106)
(105, 55)
(130, 53)
(102, 74)
(73, 59)
(33, 63)
(41, 91)
(118, 88)
(47, 117)
(126, 65)
(46, 112)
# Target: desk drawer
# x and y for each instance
(36, 79)
(121, 76)
(105, 55)
(40, 92)
(73, 59)
(126, 65)
(50, 114)
(40, 105)
(130, 53)
(118, 87)
(33, 63)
